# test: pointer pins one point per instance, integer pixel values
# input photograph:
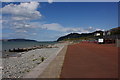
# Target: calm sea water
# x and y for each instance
(6, 45)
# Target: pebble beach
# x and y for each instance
(17, 67)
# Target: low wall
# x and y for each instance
(54, 68)
(41, 67)
(118, 42)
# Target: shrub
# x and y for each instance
(42, 59)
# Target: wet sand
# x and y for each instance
(89, 60)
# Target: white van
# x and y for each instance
(101, 40)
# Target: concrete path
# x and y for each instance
(53, 70)
(38, 70)
(88, 60)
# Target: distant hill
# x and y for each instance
(74, 36)
(18, 40)
(115, 31)
(112, 33)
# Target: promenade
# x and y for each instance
(89, 60)
(81, 60)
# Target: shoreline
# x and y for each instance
(37, 71)
(34, 64)
(17, 67)
(17, 52)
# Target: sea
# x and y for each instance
(6, 45)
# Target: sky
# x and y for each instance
(47, 21)
(50, 1)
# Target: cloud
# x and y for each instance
(62, 0)
(50, 1)
(100, 29)
(23, 11)
(21, 31)
(7, 0)
(34, 33)
(17, 18)
(52, 26)
(60, 28)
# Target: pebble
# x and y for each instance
(19, 66)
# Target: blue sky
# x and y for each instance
(47, 21)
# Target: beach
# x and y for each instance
(65, 60)
(55, 39)
(18, 66)
(80, 60)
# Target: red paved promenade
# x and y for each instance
(89, 60)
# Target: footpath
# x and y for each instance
(89, 60)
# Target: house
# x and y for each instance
(106, 33)
(98, 33)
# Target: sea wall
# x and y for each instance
(17, 67)
(41, 67)
(118, 42)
